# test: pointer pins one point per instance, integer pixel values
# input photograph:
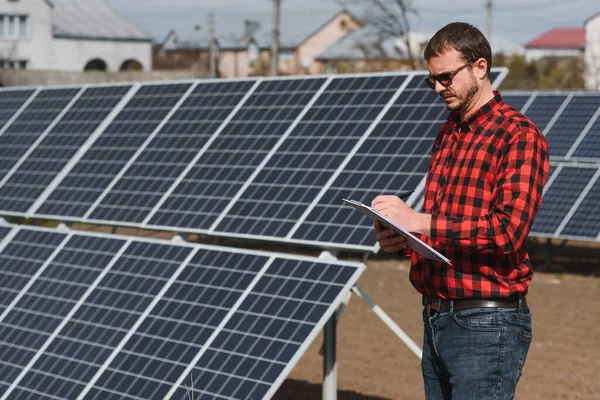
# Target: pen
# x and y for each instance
(405, 195)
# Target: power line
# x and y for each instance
(538, 5)
(471, 11)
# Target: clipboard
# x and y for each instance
(415, 243)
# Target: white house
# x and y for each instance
(592, 52)
(558, 42)
(70, 35)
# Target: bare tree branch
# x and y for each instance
(391, 21)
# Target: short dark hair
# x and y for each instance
(465, 38)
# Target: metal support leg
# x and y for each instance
(329, 361)
(389, 322)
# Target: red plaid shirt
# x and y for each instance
(483, 189)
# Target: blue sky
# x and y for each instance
(518, 21)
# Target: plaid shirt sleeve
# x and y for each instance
(517, 197)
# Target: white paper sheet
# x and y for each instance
(414, 242)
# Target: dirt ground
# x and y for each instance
(373, 363)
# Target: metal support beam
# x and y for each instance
(389, 322)
(329, 360)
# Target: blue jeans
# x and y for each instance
(477, 353)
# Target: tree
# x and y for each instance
(390, 19)
(547, 73)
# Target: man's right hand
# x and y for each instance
(389, 240)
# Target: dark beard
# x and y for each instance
(469, 96)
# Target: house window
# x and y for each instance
(253, 53)
(14, 26)
(286, 55)
(22, 26)
(13, 64)
(305, 61)
(11, 26)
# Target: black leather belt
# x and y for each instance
(438, 304)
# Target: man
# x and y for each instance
(488, 167)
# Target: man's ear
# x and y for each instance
(480, 68)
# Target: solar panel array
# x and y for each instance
(105, 316)
(96, 316)
(570, 121)
(258, 158)
(264, 158)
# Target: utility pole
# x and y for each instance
(488, 20)
(212, 52)
(275, 40)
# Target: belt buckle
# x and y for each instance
(434, 304)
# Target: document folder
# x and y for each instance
(414, 242)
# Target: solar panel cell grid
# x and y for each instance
(23, 329)
(88, 179)
(394, 158)
(516, 101)
(560, 197)
(50, 299)
(181, 323)
(33, 121)
(268, 329)
(105, 317)
(310, 155)
(10, 102)
(585, 222)
(573, 119)
(32, 177)
(590, 145)
(234, 155)
(165, 158)
(108, 319)
(543, 108)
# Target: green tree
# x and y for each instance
(547, 73)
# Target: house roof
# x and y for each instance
(363, 43)
(559, 38)
(295, 29)
(92, 20)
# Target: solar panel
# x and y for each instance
(32, 122)
(236, 152)
(106, 316)
(12, 101)
(119, 142)
(516, 101)
(584, 222)
(273, 322)
(544, 107)
(166, 157)
(394, 158)
(589, 147)
(310, 155)
(572, 120)
(22, 331)
(20, 188)
(190, 312)
(559, 198)
(266, 158)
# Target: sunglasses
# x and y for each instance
(445, 78)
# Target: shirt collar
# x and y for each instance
(478, 116)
